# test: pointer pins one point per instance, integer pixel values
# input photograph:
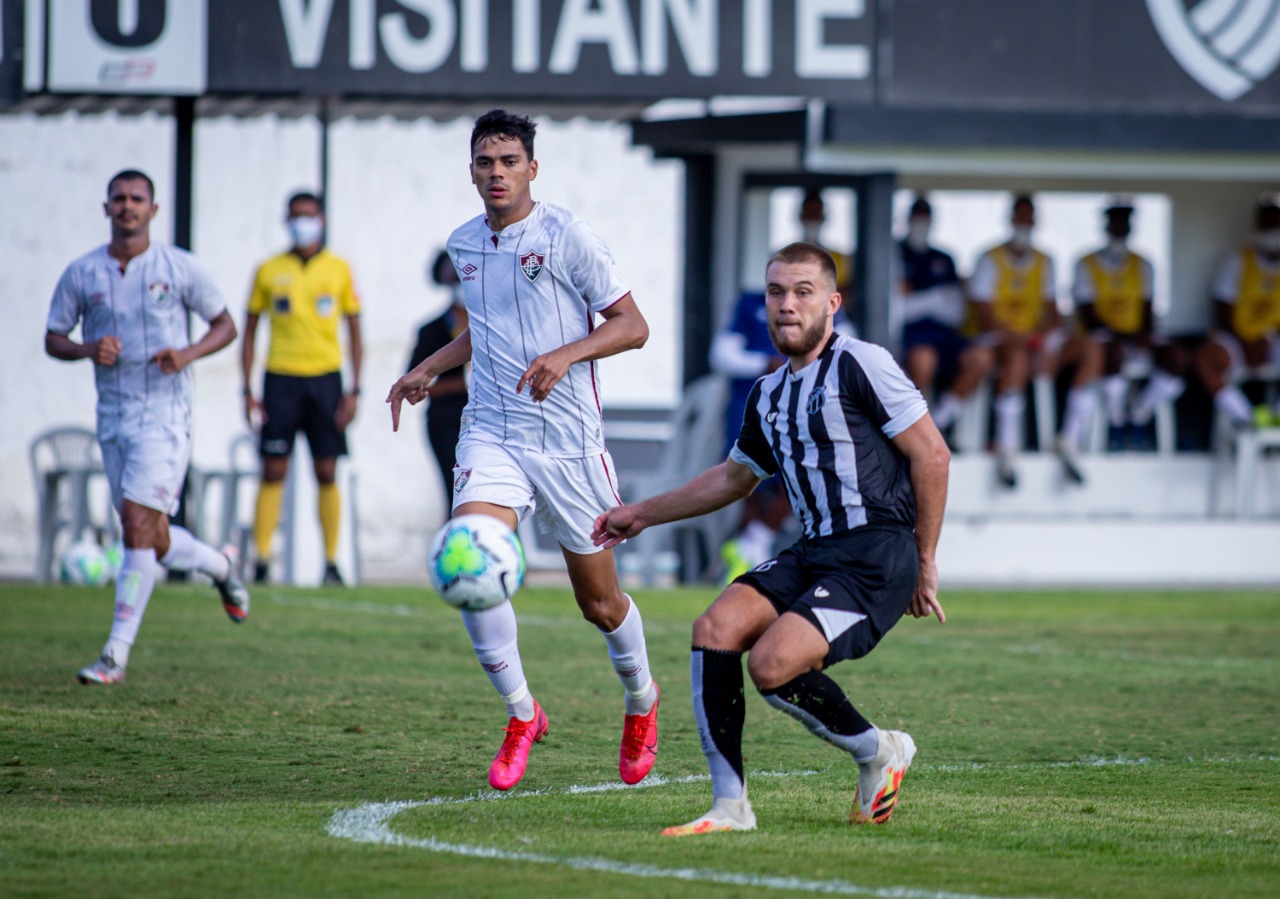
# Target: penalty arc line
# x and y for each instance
(369, 823)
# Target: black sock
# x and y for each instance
(719, 708)
(817, 702)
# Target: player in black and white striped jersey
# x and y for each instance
(866, 471)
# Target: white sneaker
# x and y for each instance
(725, 814)
(1006, 474)
(1070, 459)
(103, 672)
(878, 779)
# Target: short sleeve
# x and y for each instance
(348, 299)
(1226, 281)
(1049, 284)
(1082, 288)
(591, 267)
(1148, 276)
(203, 297)
(64, 310)
(751, 448)
(259, 295)
(878, 387)
(982, 286)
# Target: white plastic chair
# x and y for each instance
(64, 462)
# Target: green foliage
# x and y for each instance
(1071, 743)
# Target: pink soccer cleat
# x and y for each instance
(639, 747)
(509, 764)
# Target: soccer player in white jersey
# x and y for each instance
(866, 469)
(131, 299)
(535, 278)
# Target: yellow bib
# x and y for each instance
(1118, 298)
(1018, 301)
(1256, 312)
(304, 303)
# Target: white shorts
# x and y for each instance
(1238, 369)
(568, 494)
(147, 468)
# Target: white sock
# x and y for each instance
(493, 635)
(1233, 403)
(1080, 405)
(946, 410)
(1115, 388)
(1163, 388)
(1009, 410)
(134, 583)
(631, 660)
(186, 553)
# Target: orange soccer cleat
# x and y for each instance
(878, 780)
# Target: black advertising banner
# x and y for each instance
(580, 49)
(1100, 55)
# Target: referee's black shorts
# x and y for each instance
(853, 587)
(307, 404)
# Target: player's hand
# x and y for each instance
(544, 373)
(925, 601)
(412, 388)
(105, 351)
(346, 411)
(616, 525)
(254, 412)
(171, 361)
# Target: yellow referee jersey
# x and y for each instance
(1256, 312)
(304, 301)
(1119, 299)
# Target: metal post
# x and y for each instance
(699, 308)
(872, 278)
(184, 129)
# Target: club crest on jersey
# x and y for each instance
(817, 399)
(460, 479)
(531, 265)
(158, 291)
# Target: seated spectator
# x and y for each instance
(1014, 297)
(813, 215)
(1112, 290)
(933, 311)
(1246, 317)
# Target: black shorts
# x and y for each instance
(853, 587)
(294, 404)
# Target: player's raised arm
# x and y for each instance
(714, 489)
(415, 385)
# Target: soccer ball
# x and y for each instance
(83, 563)
(475, 562)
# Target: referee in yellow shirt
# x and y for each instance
(303, 292)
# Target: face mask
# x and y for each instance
(1268, 241)
(918, 235)
(1021, 236)
(1117, 246)
(305, 230)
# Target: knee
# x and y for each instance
(326, 471)
(711, 632)
(767, 670)
(605, 612)
(274, 468)
(141, 531)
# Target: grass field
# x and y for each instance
(1071, 744)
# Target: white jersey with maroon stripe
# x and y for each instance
(147, 307)
(532, 288)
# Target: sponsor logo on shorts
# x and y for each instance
(460, 478)
(531, 265)
(817, 399)
(821, 592)
(276, 447)
(158, 291)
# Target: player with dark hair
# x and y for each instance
(303, 292)
(866, 471)
(535, 278)
(131, 299)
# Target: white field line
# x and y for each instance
(368, 823)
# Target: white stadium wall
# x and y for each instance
(396, 191)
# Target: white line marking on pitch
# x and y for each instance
(369, 823)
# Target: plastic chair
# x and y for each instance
(61, 456)
(242, 463)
